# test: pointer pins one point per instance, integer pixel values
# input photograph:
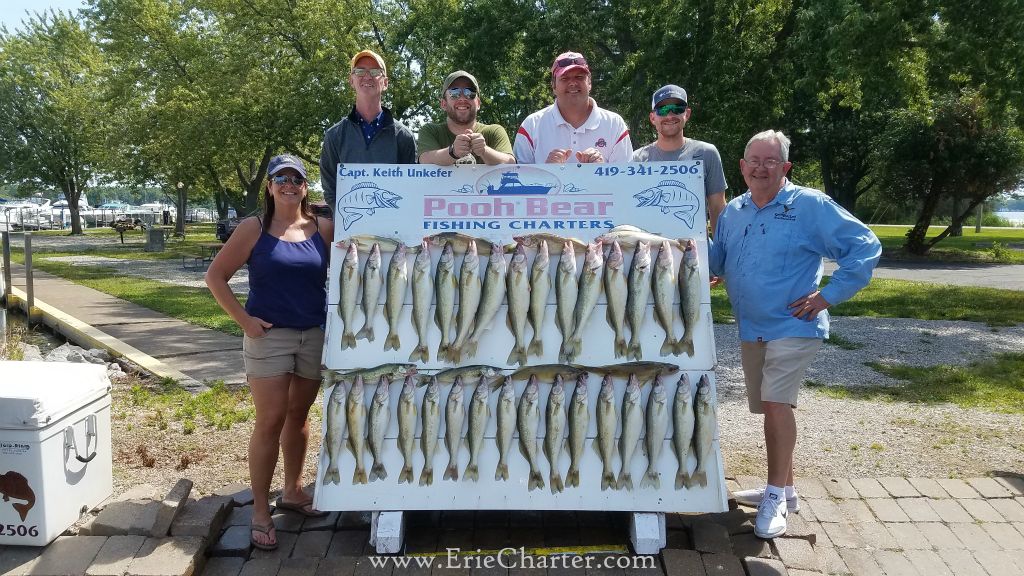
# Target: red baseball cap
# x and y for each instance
(568, 61)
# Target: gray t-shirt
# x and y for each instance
(714, 175)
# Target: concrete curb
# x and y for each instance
(91, 337)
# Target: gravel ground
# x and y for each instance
(837, 437)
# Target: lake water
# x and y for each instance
(1016, 217)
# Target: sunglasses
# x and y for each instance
(373, 72)
(564, 62)
(670, 109)
(282, 180)
(456, 93)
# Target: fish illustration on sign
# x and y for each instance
(15, 486)
(364, 198)
(671, 196)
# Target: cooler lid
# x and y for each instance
(34, 395)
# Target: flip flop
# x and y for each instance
(305, 508)
(263, 529)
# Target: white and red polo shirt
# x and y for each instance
(546, 130)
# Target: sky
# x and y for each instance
(12, 12)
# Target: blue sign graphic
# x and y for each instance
(670, 195)
(362, 199)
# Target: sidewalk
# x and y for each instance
(199, 353)
(857, 526)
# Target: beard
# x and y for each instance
(466, 117)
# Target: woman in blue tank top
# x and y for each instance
(287, 251)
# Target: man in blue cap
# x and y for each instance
(669, 114)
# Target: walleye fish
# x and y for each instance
(540, 285)
(335, 432)
(355, 410)
(472, 371)
(664, 294)
(479, 413)
(548, 371)
(657, 425)
(454, 416)
(615, 293)
(461, 242)
(393, 371)
(559, 242)
(349, 295)
(704, 430)
(639, 291)
(492, 296)
(579, 423)
(632, 424)
(589, 290)
(682, 429)
(422, 290)
(607, 422)
(518, 290)
(554, 433)
(506, 427)
(689, 292)
(430, 414)
(380, 419)
(644, 371)
(365, 242)
(469, 301)
(407, 427)
(528, 421)
(629, 236)
(566, 294)
(445, 283)
(394, 299)
(372, 283)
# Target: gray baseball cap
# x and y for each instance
(666, 92)
(455, 76)
(282, 161)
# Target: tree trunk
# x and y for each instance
(179, 223)
(956, 227)
(916, 238)
(72, 193)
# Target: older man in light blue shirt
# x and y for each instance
(769, 247)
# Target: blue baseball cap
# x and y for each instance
(278, 163)
(666, 92)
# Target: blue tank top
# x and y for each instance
(288, 282)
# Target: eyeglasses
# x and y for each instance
(282, 180)
(456, 93)
(373, 72)
(769, 163)
(564, 62)
(670, 109)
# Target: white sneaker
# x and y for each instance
(754, 496)
(771, 518)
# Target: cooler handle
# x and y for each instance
(90, 432)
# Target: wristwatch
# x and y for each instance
(451, 151)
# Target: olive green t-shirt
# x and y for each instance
(438, 136)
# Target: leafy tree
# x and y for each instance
(51, 123)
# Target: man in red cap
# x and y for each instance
(574, 128)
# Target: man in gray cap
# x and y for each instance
(669, 114)
(461, 139)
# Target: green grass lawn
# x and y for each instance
(990, 245)
(995, 384)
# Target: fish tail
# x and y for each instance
(451, 472)
(405, 475)
(608, 481)
(651, 480)
(556, 483)
(536, 481)
(572, 477)
(377, 471)
(633, 351)
(365, 333)
(331, 476)
(420, 353)
(359, 476)
(685, 346)
(348, 340)
(426, 476)
(669, 346)
(442, 349)
(454, 354)
(620, 347)
(392, 342)
(472, 473)
(682, 479)
(470, 347)
(625, 481)
(517, 355)
(577, 347)
(536, 347)
(502, 472)
(700, 478)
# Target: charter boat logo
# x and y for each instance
(364, 198)
(15, 486)
(511, 183)
(671, 196)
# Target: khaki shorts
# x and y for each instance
(284, 351)
(774, 370)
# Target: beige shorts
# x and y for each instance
(774, 370)
(284, 351)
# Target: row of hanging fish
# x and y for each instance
(525, 288)
(567, 420)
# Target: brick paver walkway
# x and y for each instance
(860, 526)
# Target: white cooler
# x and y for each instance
(55, 456)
